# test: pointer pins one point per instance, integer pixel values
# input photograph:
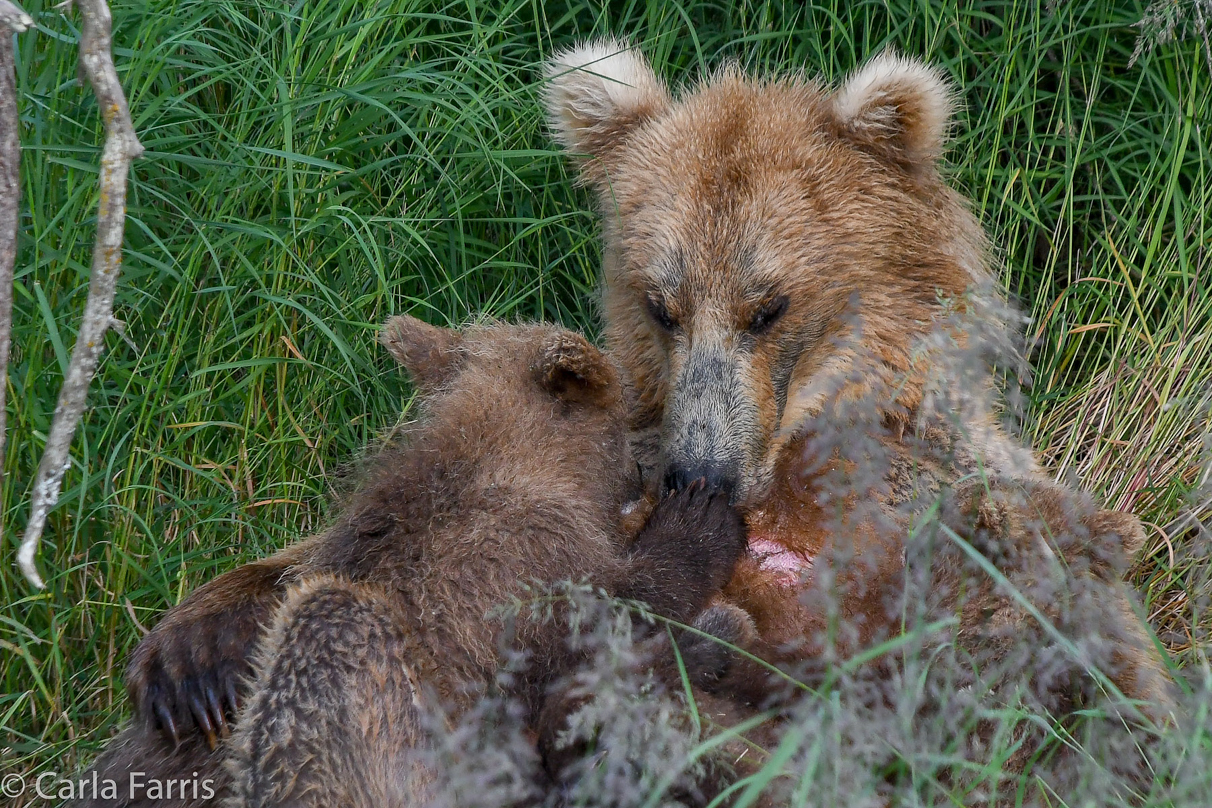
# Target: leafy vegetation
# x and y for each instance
(313, 167)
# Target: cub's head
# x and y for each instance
(537, 405)
(760, 237)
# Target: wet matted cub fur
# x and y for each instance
(794, 287)
(519, 472)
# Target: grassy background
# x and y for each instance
(313, 167)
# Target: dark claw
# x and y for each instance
(216, 710)
(233, 698)
(200, 715)
(211, 740)
(165, 718)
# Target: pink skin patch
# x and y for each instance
(788, 566)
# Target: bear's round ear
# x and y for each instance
(429, 353)
(598, 91)
(897, 109)
(574, 371)
(1126, 526)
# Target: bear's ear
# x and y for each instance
(574, 371)
(597, 92)
(897, 109)
(1124, 525)
(431, 354)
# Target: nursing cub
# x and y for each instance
(518, 473)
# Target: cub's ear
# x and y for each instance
(431, 354)
(574, 371)
(1126, 526)
(598, 91)
(897, 109)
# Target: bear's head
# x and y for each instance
(535, 405)
(761, 238)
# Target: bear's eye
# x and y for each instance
(659, 313)
(768, 314)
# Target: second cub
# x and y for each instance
(519, 472)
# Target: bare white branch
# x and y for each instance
(121, 147)
(12, 21)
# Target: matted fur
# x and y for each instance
(805, 306)
(518, 474)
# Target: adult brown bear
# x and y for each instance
(799, 295)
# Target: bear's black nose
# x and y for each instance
(717, 477)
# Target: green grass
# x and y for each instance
(312, 168)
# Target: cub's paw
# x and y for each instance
(700, 532)
(186, 675)
(708, 660)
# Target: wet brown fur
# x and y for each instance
(518, 473)
(745, 191)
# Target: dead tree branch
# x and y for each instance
(121, 147)
(12, 21)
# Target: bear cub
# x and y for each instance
(518, 473)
